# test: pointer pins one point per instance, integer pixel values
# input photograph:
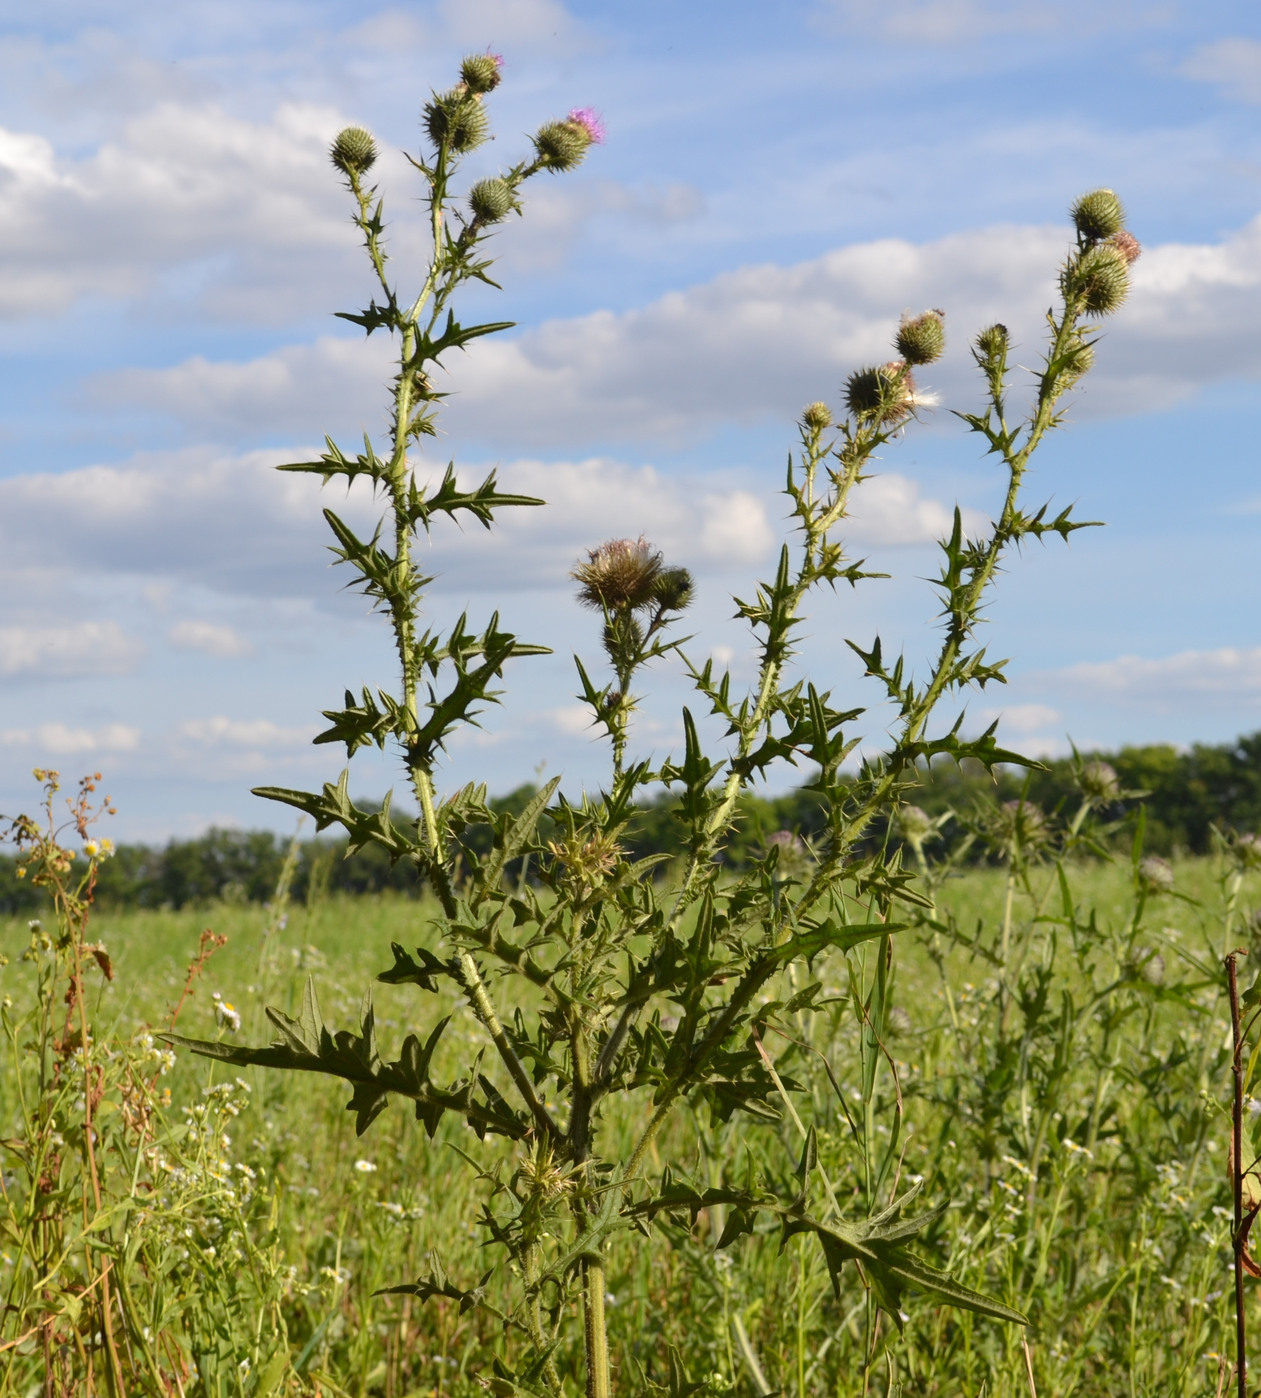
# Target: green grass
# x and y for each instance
(1067, 1112)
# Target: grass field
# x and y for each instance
(1060, 1066)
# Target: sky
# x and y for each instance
(780, 183)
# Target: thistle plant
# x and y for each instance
(601, 989)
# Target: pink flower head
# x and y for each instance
(496, 58)
(589, 119)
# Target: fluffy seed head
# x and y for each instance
(993, 341)
(1156, 874)
(816, 417)
(456, 119)
(1100, 277)
(491, 200)
(620, 573)
(883, 393)
(480, 72)
(1099, 781)
(922, 339)
(1098, 215)
(354, 152)
(1127, 245)
(1149, 964)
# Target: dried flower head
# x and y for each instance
(922, 339)
(1156, 874)
(354, 152)
(1098, 215)
(457, 120)
(491, 200)
(1099, 781)
(480, 72)
(620, 573)
(1127, 245)
(816, 417)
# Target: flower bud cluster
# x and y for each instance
(886, 394)
(1097, 277)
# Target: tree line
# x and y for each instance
(1187, 795)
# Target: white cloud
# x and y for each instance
(222, 642)
(237, 527)
(1234, 65)
(251, 201)
(222, 732)
(60, 740)
(1228, 676)
(760, 341)
(1022, 719)
(960, 21)
(63, 652)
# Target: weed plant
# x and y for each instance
(600, 1043)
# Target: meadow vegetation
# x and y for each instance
(821, 1108)
(1060, 1044)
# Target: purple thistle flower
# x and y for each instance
(589, 119)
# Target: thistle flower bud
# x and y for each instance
(491, 200)
(1098, 780)
(922, 339)
(562, 144)
(1156, 874)
(1098, 215)
(1100, 277)
(816, 417)
(620, 573)
(1127, 245)
(1077, 363)
(354, 152)
(915, 825)
(480, 72)
(993, 341)
(1149, 964)
(672, 591)
(1022, 824)
(457, 120)
(884, 393)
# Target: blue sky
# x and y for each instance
(781, 181)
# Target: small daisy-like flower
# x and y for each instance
(227, 1016)
(365, 1167)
